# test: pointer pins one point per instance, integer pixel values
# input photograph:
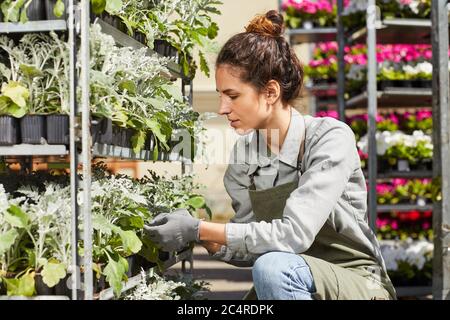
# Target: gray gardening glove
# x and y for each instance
(173, 231)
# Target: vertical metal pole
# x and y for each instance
(73, 151)
(86, 150)
(441, 151)
(372, 110)
(341, 62)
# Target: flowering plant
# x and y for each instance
(321, 13)
(403, 225)
(396, 145)
(409, 262)
(417, 191)
(354, 13)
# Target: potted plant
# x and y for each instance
(56, 9)
(22, 11)
(12, 108)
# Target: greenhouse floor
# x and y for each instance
(226, 281)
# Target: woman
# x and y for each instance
(299, 197)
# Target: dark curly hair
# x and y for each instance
(261, 54)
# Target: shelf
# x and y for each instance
(132, 282)
(413, 291)
(299, 36)
(126, 41)
(323, 90)
(394, 97)
(105, 150)
(403, 174)
(406, 31)
(33, 26)
(50, 297)
(33, 150)
(403, 207)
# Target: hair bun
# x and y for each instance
(271, 24)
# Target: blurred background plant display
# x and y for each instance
(36, 223)
(409, 262)
(186, 25)
(399, 65)
(354, 12)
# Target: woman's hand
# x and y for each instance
(212, 247)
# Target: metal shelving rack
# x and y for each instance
(412, 31)
(77, 25)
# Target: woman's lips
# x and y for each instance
(233, 123)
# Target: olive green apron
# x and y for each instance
(341, 268)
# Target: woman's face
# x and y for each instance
(245, 108)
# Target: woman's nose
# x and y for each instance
(224, 107)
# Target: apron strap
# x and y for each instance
(300, 154)
(302, 147)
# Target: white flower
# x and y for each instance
(424, 67)
(410, 70)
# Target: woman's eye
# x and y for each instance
(233, 97)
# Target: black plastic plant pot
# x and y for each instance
(159, 46)
(422, 83)
(163, 255)
(62, 288)
(150, 142)
(50, 5)
(139, 36)
(102, 130)
(127, 134)
(58, 129)
(41, 288)
(32, 129)
(36, 11)
(117, 135)
(99, 284)
(383, 84)
(9, 131)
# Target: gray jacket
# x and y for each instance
(332, 187)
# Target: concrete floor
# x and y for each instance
(226, 281)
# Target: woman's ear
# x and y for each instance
(272, 92)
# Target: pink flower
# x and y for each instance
(426, 225)
(382, 222)
(394, 225)
(399, 182)
(382, 189)
(423, 114)
(393, 117)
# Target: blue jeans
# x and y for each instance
(282, 276)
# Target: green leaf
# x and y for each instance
(173, 91)
(130, 240)
(203, 64)
(158, 103)
(138, 140)
(16, 92)
(11, 10)
(155, 128)
(114, 272)
(113, 6)
(128, 85)
(30, 71)
(5, 71)
(7, 239)
(102, 224)
(98, 6)
(23, 286)
(196, 202)
(58, 9)
(52, 273)
(16, 217)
